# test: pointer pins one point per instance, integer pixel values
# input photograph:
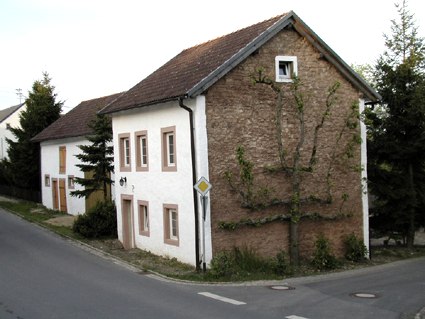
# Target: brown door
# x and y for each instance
(55, 196)
(62, 194)
(127, 224)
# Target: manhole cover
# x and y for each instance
(366, 295)
(281, 287)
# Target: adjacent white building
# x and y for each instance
(58, 146)
(9, 118)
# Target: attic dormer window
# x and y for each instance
(286, 68)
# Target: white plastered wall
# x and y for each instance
(13, 121)
(365, 197)
(201, 147)
(158, 187)
(50, 166)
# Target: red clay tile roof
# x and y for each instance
(195, 69)
(75, 122)
(175, 78)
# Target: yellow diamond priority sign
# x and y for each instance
(203, 186)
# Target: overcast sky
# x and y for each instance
(93, 48)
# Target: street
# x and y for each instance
(45, 276)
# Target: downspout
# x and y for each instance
(194, 179)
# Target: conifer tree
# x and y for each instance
(42, 109)
(97, 159)
(397, 131)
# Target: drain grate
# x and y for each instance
(365, 295)
(282, 287)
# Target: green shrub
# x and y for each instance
(355, 249)
(323, 259)
(222, 264)
(99, 221)
(281, 266)
(244, 262)
(248, 261)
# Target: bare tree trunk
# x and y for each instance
(294, 252)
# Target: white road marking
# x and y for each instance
(295, 317)
(224, 299)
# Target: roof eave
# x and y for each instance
(140, 105)
(335, 59)
(40, 140)
(305, 31)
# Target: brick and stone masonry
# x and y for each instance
(240, 112)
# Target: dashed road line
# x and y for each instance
(295, 317)
(220, 298)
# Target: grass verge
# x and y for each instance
(146, 261)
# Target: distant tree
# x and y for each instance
(397, 131)
(42, 109)
(366, 72)
(97, 159)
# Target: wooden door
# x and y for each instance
(55, 196)
(96, 196)
(62, 194)
(127, 224)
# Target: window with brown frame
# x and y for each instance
(47, 180)
(62, 159)
(125, 152)
(142, 158)
(171, 224)
(143, 218)
(71, 182)
(168, 149)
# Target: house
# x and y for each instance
(9, 118)
(58, 146)
(186, 120)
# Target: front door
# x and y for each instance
(127, 223)
(55, 195)
(62, 195)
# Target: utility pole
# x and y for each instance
(20, 95)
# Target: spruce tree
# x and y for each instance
(97, 159)
(42, 109)
(397, 131)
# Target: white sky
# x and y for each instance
(93, 48)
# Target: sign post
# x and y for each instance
(203, 186)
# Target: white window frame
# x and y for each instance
(292, 68)
(171, 149)
(126, 145)
(143, 151)
(173, 222)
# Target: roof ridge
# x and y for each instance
(102, 97)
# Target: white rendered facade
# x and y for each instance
(12, 121)
(160, 188)
(50, 169)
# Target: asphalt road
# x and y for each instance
(45, 276)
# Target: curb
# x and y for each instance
(420, 314)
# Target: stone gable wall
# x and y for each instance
(241, 113)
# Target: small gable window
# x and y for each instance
(286, 68)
